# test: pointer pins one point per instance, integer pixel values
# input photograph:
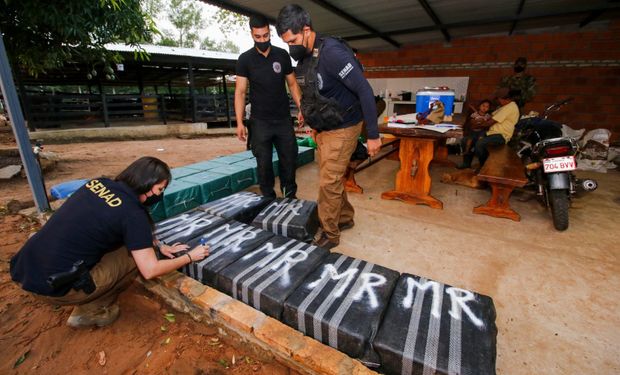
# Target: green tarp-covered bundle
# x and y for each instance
(206, 181)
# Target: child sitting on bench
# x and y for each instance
(473, 132)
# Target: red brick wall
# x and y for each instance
(585, 65)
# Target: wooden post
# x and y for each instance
(227, 100)
(163, 108)
(49, 117)
(25, 102)
(140, 81)
(192, 96)
(104, 107)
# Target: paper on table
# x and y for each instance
(400, 125)
(409, 118)
(440, 128)
(435, 128)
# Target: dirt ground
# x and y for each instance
(89, 160)
(555, 293)
(142, 340)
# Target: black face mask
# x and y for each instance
(519, 69)
(262, 46)
(153, 199)
(297, 51)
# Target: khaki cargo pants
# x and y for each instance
(113, 274)
(335, 148)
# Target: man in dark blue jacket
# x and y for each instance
(336, 100)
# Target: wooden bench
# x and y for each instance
(350, 185)
(504, 171)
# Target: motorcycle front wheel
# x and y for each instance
(559, 203)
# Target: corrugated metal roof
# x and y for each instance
(175, 51)
(400, 22)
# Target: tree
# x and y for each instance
(230, 22)
(186, 17)
(227, 46)
(152, 7)
(208, 44)
(168, 39)
(223, 46)
(44, 35)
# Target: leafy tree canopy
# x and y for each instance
(152, 7)
(44, 35)
(187, 19)
(222, 46)
(230, 22)
(189, 23)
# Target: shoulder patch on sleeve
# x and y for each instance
(346, 70)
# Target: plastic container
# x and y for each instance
(424, 98)
(65, 189)
(306, 142)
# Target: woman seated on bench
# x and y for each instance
(500, 126)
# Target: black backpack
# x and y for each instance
(320, 112)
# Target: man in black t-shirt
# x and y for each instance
(266, 68)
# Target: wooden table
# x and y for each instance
(418, 147)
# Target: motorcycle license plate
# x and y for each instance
(561, 164)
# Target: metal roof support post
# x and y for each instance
(514, 23)
(21, 135)
(433, 16)
(356, 21)
(484, 22)
(591, 17)
(227, 100)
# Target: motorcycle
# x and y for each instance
(550, 160)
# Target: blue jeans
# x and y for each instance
(481, 146)
(265, 135)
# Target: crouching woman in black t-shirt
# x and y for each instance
(93, 247)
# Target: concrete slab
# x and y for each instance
(556, 293)
(10, 171)
(128, 132)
